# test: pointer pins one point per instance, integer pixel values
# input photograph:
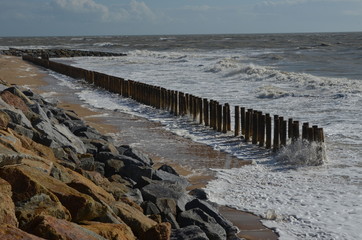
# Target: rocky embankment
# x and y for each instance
(62, 179)
(57, 53)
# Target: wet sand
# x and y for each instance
(193, 160)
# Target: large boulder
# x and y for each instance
(14, 101)
(161, 231)
(207, 223)
(133, 217)
(110, 231)
(27, 182)
(161, 190)
(52, 228)
(4, 120)
(8, 232)
(191, 232)
(213, 212)
(7, 207)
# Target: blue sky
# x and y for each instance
(137, 17)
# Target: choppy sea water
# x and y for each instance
(313, 78)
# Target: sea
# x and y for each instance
(310, 77)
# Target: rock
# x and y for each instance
(149, 208)
(198, 193)
(134, 218)
(87, 162)
(110, 231)
(192, 232)
(76, 143)
(4, 120)
(40, 204)
(14, 101)
(133, 153)
(166, 205)
(20, 94)
(211, 211)
(168, 169)
(18, 117)
(161, 231)
(169, 217)
(104, 156)
(155, 191)
(112, 167)
(8, 232)
(207, 223)
(21, 130)
(52, 228)
(169, 177)
(27, 182)
(7, 207)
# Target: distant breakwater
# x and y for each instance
(251, 125)
(57, 53)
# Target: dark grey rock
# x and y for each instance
(158, 190)
(213, 212)
(135, 172)
(18, 117)
(207, 223)
(104, 156)
(112, 167)
(149, 208)
(133, 153)
(21, 130)
(169, 217)
(168, 169)
(165, 176)
(192, 232)
(87, 163)
(198, 193)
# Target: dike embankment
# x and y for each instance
(62, 179)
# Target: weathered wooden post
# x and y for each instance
(261, 131)
(201, 110)
(255, 127)
(224, 126)
(296, 133)
(268, 129)
(206, 112)
(237, 121)
(228, 117)
(276, 133)
(248, 120)
(219, 117)
(283, 131)
(305, 127)
(242, 119)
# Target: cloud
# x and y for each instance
(133, 10)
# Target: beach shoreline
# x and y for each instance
(16, 71)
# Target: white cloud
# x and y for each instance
(134, 9)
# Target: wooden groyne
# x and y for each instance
(262, 129)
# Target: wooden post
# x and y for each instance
(268, 129)
(261, 131)
(201, 110)
(206, 112)
(283, 132)
(296, 133)
(224, 126)
(228, 117)
(290, 127)
(237, 121)
(305, 131)
(310, 132)
(276, 133)
(248, 117)
(255, 124)
(242, 120)
(315, 132)
(219, 117)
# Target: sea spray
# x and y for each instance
(302, 153)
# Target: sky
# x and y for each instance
(162, 17)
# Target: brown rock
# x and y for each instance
(14, 101)
(8, 232)
(161, 231)
(57, 229)
(41, 204)
(110, 231)
(86, 186)
(28, 182)
(4, 120)
(134, 218)
(7, 207)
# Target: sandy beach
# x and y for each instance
(193, 161)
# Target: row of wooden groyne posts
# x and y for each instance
(252, 125)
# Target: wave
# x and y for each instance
(236, 68)
(272, 92)
(103, 44)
